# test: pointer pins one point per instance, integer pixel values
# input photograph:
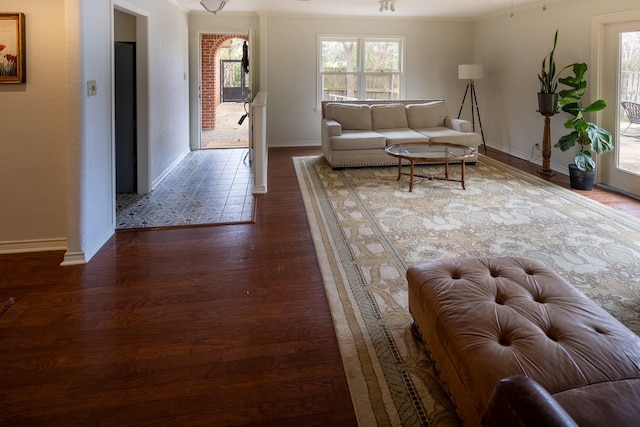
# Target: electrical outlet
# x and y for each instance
(537, 147)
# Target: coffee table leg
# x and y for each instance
(411, 178)
(399, 168)
(462, 174)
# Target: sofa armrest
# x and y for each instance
(331, 127)
(520, 401)
(459, 125)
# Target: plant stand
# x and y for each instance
(546, 146)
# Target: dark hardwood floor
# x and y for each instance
(221, 325)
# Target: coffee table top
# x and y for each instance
(430, 151)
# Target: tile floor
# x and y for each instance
(207, 187)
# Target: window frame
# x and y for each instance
(360, 73)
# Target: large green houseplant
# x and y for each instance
(548, 77)
(591, 138)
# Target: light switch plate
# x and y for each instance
(92, 88)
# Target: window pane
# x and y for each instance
(336, 87)
(382, 56)
(383, 86)
(339, 56)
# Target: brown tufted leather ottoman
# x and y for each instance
(490, 318)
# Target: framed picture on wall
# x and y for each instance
(12, 48)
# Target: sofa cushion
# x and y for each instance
(388, 116)
(431, 114)
(350, 116)
(444, 134)
(401, 136)
(358, 140)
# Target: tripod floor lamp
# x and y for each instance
(472, 72)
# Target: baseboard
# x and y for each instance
(292, 144)
(259, 189)
(79, 257)
(168, 170)
(73, 258)
(562, 169)
(40, 245)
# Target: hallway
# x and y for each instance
(207, 187)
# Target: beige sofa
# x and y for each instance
(355, 133)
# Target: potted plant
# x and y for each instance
(548, 77)
(583, 133)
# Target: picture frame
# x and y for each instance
(12, 48)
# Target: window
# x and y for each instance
(360, 68)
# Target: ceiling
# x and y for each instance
(459, 9)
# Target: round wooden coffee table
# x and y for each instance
(430, 152)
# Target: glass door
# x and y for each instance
(620, 169)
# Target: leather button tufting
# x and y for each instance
(600, 330)
(504, 340)
(539, 299)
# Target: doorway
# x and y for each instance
(224, 91)
(125, 117)
(620, 170)
(131, 27)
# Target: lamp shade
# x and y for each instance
(470, 71)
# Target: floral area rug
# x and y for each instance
(368, 229)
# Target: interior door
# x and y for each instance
(620, 169)
(125, 118)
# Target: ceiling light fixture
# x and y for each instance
(213, 6)
(544, 5)
(387, 5)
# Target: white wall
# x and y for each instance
(90, 200)
(168, 86)
(433, 51)
(511, 49)
(33, 172)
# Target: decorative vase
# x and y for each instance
(547, 103)
(581, 180)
